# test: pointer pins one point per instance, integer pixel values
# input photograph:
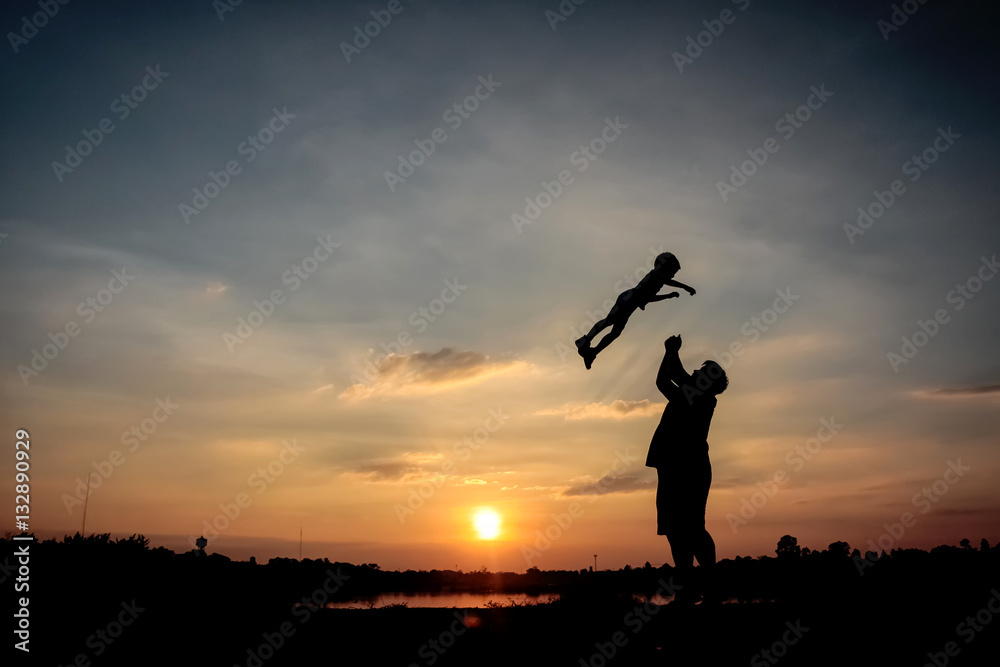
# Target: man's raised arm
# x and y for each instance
(671, 373)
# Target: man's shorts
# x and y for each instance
(682, 496)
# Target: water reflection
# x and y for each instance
(460, 600)
(473, 600)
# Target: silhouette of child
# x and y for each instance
(664, 268)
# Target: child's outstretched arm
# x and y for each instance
(677, 283)
(658, 297)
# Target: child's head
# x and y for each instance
(666, 264)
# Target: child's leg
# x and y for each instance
(613, 316)
(598, 327)
(615, 332)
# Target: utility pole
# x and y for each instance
(595, 562)
(300, 542)
(86, 500)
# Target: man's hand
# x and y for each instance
(690, 290)
(672, 295)
(672, 344)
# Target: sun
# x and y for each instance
(487, 524)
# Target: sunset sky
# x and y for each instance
(477, 294)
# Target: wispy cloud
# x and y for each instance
(407, 467)
(384, 472)
(616, 410)
(611, 484)
(969, 392)
(216, 289)
(430, 372)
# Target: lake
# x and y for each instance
(460, 600)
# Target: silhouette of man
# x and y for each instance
(679, 452)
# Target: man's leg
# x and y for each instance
(681, 549)
(705, 550)
(704, 545)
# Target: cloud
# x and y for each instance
(431, 372)
(384, 472)
(409, 467)
(612, 484)
(216, 289)
(972, 391)
(616, 410)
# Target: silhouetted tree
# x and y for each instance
(788, 547)
(965, 544)
(840, 549)
(984, 546)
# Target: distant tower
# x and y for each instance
(595, 562)
(201, 543)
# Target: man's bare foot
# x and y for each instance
(588, 357)
(582, 343)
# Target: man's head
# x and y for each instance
(710, 378)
